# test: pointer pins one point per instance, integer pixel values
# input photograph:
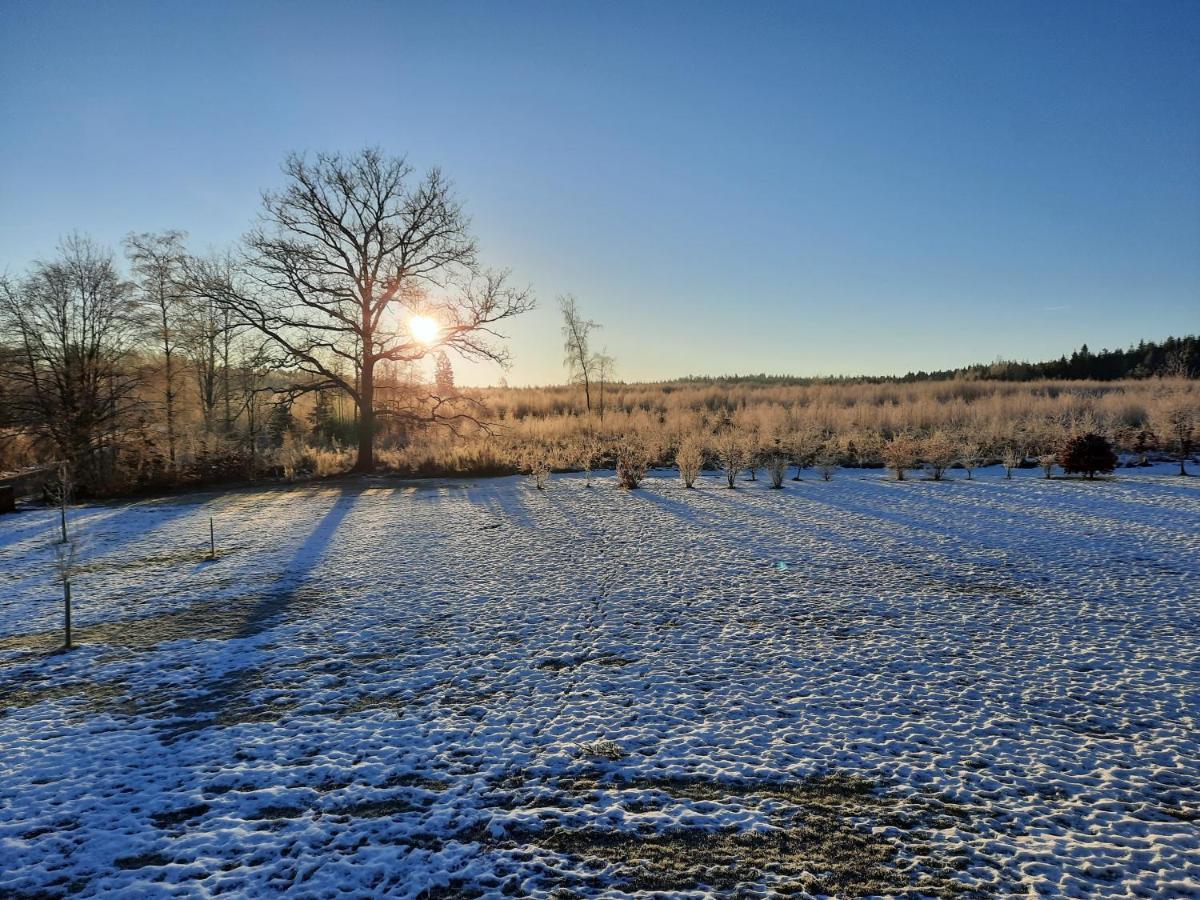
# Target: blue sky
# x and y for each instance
(794, 187)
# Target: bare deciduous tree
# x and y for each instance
(157, 263)
(689, 457)
(901, 453)
(577, 354)
(344, 255)
(72, 325)
(207, 339)
(1177, 420)
(732, 452)
(1012, 458)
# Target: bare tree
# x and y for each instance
(690, 459)
(732, 451)
(604, 366)
(902, 453)
(970, 455)
(940, 451)
(207, 339)
(348, 258)
(1177, 420)
(71, 325)
(577, 354)
(157, 263)
(1012, 458)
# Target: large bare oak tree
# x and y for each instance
(343, 256)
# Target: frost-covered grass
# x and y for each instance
(848, 687)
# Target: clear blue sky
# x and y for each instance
(793, 187)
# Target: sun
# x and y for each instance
(424, 328)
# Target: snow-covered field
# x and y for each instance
(383, 688)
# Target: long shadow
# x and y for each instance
(255, 617)
(683, 511)
(505, 505)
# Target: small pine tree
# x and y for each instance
(443, 375)
(279, 423)
(320, 419)
(1087, 454)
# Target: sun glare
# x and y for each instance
(424, 328)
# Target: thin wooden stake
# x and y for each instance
(212, 540)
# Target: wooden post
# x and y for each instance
(212, 540)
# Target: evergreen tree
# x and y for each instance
(1088, 455)
(443, 375)
(280, 422)
(321, 417)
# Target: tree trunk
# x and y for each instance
(366, 420)
(67, 613)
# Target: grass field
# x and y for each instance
(859, 687)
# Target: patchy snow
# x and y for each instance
(382, 687)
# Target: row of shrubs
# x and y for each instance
(1088, 454)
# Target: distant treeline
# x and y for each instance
(1171, 358)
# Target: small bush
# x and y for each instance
(633, 460)
(970, 457)
(732, 452)
(1012, 459)
(1047, 462)
(690, 460)
(537, 464)
(777, 465)
(940, 452)
(827, 463)
(1087, 454)
(900, 454)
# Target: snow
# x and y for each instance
(384, 687)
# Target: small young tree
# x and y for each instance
(777, 465)
(1047, 462)
(1011, 459)
(633, 461)
(970, 456)
(1178, 422)
(537, 464)
(64, 565)
(589, 450)
(827, 462)
(443, 376)
(731, 451)
(901, 453)
(577, 352)
(804, 444)
(940, 452)
(690, 460)
(1087, 454)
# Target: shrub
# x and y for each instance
(940, 452)
(1087, 454)
(827, 462)
(731, 451)
(690, 459)
(777, 465)
(537, 464)
(970, 456)
(1178, 422)
(804, 444)
(632, 462)
(901, 453)
(1047, 461)
(587, 453)
(1011, 459)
